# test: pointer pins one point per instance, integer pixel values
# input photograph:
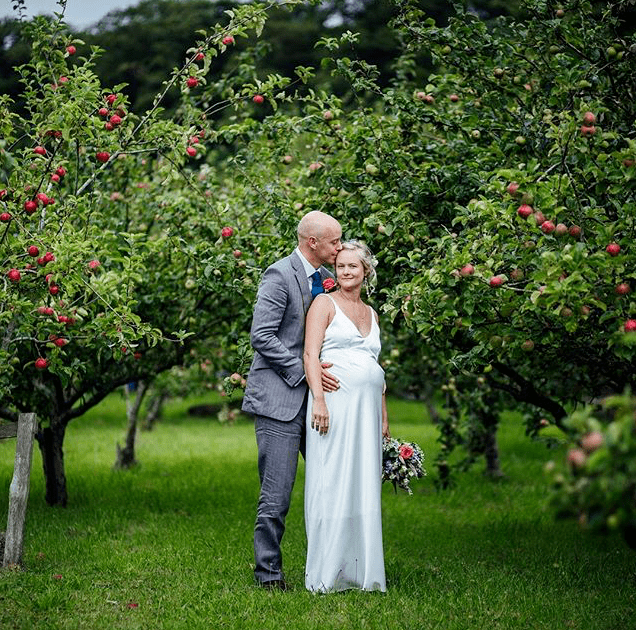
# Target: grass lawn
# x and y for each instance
(169, 544)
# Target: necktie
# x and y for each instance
(316, 284)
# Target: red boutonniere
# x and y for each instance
(328, 284)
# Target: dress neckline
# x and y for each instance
(352, 322)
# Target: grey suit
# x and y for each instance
(276, 395)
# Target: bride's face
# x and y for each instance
(349, 269)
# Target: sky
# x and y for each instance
(79, 14)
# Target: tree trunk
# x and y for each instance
(13, 543)
(155, 409)
(490, 421)
(51, 443)
(134, 397)
(491, 453)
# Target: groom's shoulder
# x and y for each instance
(286, 263)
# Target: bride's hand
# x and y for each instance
(320, 417)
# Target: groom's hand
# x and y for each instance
(329, 382)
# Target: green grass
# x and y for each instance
(169, 544)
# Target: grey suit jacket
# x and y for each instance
(276, 382)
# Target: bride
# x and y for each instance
(343, 472)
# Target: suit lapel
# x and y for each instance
(301, 279)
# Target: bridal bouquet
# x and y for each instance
(401, 461)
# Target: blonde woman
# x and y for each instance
(343, 475)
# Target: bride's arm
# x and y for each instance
(318, 319)
(385, 417)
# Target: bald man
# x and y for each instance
(276, 392)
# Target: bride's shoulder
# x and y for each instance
(323, 302)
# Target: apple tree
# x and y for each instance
(596, 482)
(120, 243)
(498, 197)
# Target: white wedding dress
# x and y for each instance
(343, 468)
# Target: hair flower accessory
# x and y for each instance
(401, 461)
(328, 284)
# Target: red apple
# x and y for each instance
(60, 342)
(192, 82)
(54, 289)
(227, 40)
(30, 206)
(258, 99)
(55, 178)
(623, 288)
(94, 264)
(71, 50)
(630, 325)
(574, 231)
(39, 150)
(109, 126)
(237, 253)
(41, 364)
(561, 229)
(512, 188)
(524, 210)
(496, 281)
(547, 227)
(111, 98)
(226, 232)
(103, 111)
(587, 131)
(589, 118)
(200, 56)
(14, 275)
(467, 270)
(592, 441)
(539, 218)
(454, 98)
(115, 120)
(577, 457)
(191, 151)
(613, 249)
(33, 251)
(43, 199)
(102, 156)
(5, 217)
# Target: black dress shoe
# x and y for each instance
(275, 585)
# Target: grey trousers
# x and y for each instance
(278, 446)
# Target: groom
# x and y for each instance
(276, 391)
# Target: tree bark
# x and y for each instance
(51, 443)
(126, 455)
(155, 409)
(19, 492)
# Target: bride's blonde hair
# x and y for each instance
(368, 262)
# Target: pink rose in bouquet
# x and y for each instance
(328, 284)
(406, 451)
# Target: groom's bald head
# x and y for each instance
(319, 237)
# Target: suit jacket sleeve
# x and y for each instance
(271, 304)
